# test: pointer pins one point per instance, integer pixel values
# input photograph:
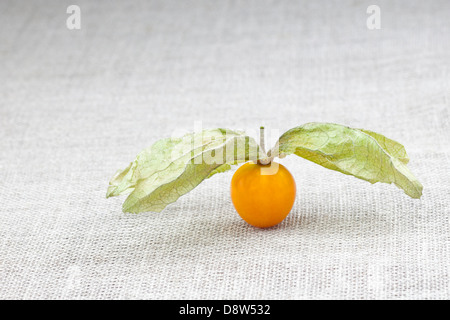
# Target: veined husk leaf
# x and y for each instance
(172, 167)
(364, 154)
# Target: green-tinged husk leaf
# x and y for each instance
(364, 154)
(174, 166)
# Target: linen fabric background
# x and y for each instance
(77, 105)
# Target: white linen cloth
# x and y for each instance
(77, 105)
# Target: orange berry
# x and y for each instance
(263, 195)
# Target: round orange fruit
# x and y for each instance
(263, 195)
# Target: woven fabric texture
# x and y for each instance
(77, 105)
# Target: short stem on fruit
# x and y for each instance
(261, 139)
(266, 160)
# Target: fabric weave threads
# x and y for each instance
(77, 105)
